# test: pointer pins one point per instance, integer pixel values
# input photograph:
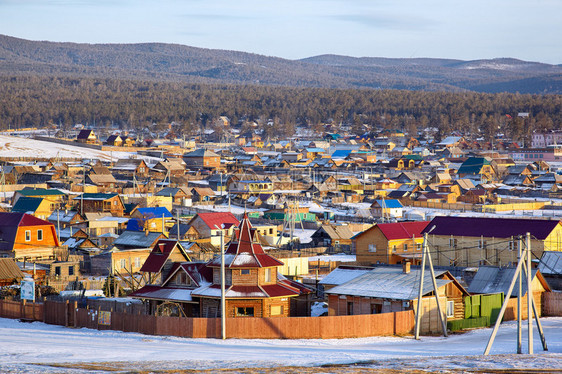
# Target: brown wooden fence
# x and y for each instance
(552, 303)
(68, 314)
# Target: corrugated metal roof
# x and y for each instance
(341, 276)
(551, 263)
(9, 270)
(389, 283)
(491, 279)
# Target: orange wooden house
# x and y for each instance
(25, 237)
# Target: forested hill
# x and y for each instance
(172, 62)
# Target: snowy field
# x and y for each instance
(37, 348)
(13, 146)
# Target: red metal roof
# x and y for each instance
(159, 255)
(402, 230)
(217, 219)
(244, 251)
(280, 290)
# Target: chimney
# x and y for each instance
(406, 267)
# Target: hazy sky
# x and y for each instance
(463, 29)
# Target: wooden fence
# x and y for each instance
(552, 303)
(69, 314)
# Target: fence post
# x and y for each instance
(66, 313)
(22, 308)
(75, 313)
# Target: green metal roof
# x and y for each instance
(39, 192)
(27, 204)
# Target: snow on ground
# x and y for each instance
(333, 258)
(13, 146)
(22, 345)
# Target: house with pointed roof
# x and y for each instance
(202, 158)
(23, 236)
(100, 202)
(210, 225)
(36, 206)
(390, 243)
(87, 136)
(386, 208)
(253, 288)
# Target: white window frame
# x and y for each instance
(27, 235)
(405, 247)
(450, 308)
(40, 235)
(372, 248)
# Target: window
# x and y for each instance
(393, 248)
(452, 243)
(482, 244)
(39, 235)
(57, 271)
(405, 247)
(27, 235)
(244, 312)
(349, 308)
(245, 271)
(268, 275)
(418, 246)
(123, 263)
(137, 262)
(450, 309)
(372, 247)
(276, 310)
(512, 245)
(71, 270)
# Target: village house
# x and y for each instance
(390, 243)
(87, 136)
(336, 237)
(473, 241)
(252, 285)
(100, 202)
(202, 158)
(386, 208)
(390, 289)
(25, 237)
(211, 225)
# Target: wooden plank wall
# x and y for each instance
(334, 327)
(552, 303)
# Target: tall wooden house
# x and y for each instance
(252, 285)
(26, 237)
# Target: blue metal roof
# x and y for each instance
(390, 203)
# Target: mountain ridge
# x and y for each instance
(176, 62)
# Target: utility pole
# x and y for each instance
(223, 292)
(425, 253)
(523, 265)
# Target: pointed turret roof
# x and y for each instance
(244, 251)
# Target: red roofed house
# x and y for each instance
(210, 225)
(163, 255)
(175, 290)
(390, 243)
(252, 286)
(25, 237)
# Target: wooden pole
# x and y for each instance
(420, 291)
(443, 322)
(504, 306)
(519, 304)
(529, 294)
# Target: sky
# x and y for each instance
(294, 29)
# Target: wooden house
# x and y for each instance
(472, 241)
(23, 236)
(100, 202)
(130, 167)
(390, 243)
(36, 206)
(87, 136)
(337, 237)
(387, 208)
(390, 289)
(202, 158)
(210, 225)
(252, 285)
(114, 140)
